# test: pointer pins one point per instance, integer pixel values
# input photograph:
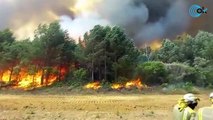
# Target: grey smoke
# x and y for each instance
(143, 20)
(147, 20)
(124, 13)
(175, 21)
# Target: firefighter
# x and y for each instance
(184, 110)
(206, 113)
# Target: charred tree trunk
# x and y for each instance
(11, 73)
(1, 75)
(47, 75)
(116, 71)
(92, 70)
(42, 76)
(99, 72)
(60, 72)
(18, 78)
(33, 80)
(34, 74)
(105, 68)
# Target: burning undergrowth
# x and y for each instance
(53, 56)
(26, 79)
(132, 84)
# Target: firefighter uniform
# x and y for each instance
(189, 114)
(177, 114)
(186, 114)
(206, 113)
(182, 111)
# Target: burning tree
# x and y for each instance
(38, 63)
(107, 54)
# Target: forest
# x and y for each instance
(105, 54)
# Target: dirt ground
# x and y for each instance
(89, 107)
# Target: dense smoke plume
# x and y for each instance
(23, 16)
(143, 20)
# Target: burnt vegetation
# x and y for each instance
(105, 55)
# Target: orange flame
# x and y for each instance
(117, 86)
(129, 85)
(26, 81)
(156, 45)
(134, 83)
(94, 86)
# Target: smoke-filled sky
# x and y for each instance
(143, 20)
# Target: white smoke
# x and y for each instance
(134, 18)
(81, 24)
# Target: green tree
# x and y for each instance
(153, 73)
(80, 76)
(109, 53)
(185, 45)
(6, 39)
(52, 47)
(95, 51)
(169, 52)
(202, 42)
(122, 53)
(15, 54)
(6, 36)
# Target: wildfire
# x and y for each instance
(134, 83)
(129, 85)
(26, 81)
(155, 45)
(116, 86)
(94, 86)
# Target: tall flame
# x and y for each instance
(134, 83)
(25, 81)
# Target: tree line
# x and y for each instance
(107, 54)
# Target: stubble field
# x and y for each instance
(89, 107)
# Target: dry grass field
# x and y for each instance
(89, 107)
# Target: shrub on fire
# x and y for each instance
(132, 84)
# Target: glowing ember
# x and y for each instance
(25, 84)
(94, 86)
(117, 86)
(24, 80)
(6, 76)
(134, 83)
(155, 45)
